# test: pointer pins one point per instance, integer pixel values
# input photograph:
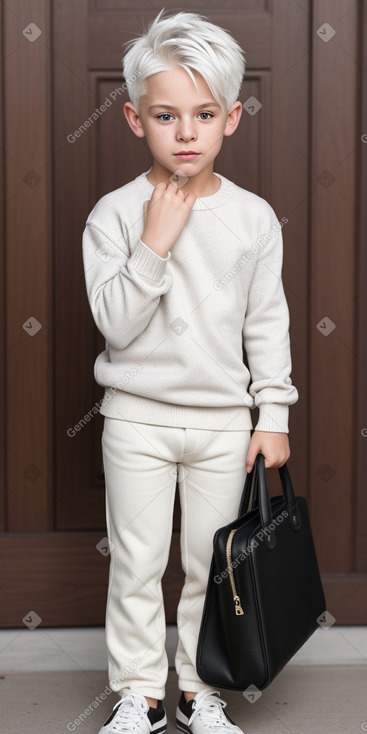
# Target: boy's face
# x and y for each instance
(184, 120)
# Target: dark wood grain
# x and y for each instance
(302, 152)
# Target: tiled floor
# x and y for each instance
(301, 700)
(49, 677)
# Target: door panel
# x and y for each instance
(62, 153)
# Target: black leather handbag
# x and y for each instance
(264, 597)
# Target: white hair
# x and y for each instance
(191, 41)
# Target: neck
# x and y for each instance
(203, 184)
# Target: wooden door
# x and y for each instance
(66, 143)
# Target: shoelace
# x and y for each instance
(127, 715)
(209, 704)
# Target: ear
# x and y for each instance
(233, 118)
(133, 119)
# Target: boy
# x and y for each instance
(182, 268)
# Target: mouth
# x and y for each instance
(187, 155)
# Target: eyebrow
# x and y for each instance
(170, 107)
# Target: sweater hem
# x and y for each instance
(137, 409)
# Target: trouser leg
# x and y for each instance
(211, 478)
(140, 476)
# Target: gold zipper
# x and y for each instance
(236, 598)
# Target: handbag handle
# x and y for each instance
(256, 485)
(249, 498)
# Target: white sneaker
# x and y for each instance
(204, 714)
(133, 715)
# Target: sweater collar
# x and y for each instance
(204, 202)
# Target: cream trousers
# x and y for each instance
(142, 463)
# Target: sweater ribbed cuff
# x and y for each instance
(273, 417)
(147, 263)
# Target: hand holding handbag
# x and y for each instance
(264, 593)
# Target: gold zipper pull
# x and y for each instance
(236, 598)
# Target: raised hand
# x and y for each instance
(165, 216)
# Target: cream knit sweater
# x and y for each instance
(175, 327)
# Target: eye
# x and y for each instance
(167, 114)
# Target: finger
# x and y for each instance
(250, 460)
(159, 188)
(177, 189)
(172, 187)
(190, 199)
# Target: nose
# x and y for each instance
(186, 130)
